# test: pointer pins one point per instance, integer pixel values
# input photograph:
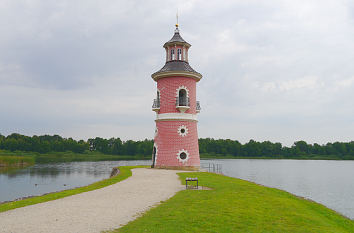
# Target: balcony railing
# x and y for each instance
(182, 102)
(197, 107)
(156, 105)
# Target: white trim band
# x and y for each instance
(176, 116)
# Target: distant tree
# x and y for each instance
(301, 147)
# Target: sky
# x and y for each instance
(277, 70)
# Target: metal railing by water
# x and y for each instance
(212, 167)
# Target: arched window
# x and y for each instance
(182, 98)
(179, 54)
(172, 54)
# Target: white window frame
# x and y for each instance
(179, 54)
(172, 54)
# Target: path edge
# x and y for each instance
(121, 173)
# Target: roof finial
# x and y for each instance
(177, 18)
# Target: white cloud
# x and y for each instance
(344, 83)
(273, 70)
(310, 82)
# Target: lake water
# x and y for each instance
(44, 178)
(328, 182)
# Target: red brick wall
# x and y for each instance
(168, 93)
(169, 142)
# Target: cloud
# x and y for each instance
(273, 70)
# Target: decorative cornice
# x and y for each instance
(174, 43)
(160, 75)
(176, 116)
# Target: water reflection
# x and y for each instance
(44, 178)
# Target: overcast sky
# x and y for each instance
(272, 70)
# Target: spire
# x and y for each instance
(177, 19)
(177, 37)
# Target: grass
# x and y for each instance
(235, 205)
(15, 161)
(90, 156)
(68, 156)
(125, 172)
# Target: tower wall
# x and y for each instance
(170, 144)
(169, 140)
(169, 87)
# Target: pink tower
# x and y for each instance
(176, 134)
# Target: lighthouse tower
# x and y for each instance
(176, 135)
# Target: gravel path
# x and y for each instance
(102, 209)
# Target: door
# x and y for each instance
(153, 157)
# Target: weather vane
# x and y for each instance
(177, 18)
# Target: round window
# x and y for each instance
(183, 155)
(182, 130)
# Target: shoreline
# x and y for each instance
(115, 171)
(297, 196)
(98, 210)
(15, 162)
(56, 157)
(236, 205)
(205, 179)
(124, 173)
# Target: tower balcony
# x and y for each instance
(197, 108)
(156, 105)
(182, 104)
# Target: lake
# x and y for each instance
(327, 182)
(44, 178)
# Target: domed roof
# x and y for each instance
(177, 39)
(177, 65)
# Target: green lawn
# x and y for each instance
(234, 205)
(125, 172)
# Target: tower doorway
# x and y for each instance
(153, 157)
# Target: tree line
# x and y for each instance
(300, 149)
(207, 146)
(56, 143)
